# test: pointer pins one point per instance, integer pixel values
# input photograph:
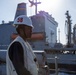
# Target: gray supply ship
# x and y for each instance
(44, 38)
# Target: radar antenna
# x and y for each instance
(34, 3)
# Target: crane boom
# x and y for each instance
(68, 23)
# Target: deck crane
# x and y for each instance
(68, 30)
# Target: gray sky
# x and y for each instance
(57, 8)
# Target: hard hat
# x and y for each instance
(22, 20)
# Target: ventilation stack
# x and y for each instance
(21, 9)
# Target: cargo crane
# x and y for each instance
(68, 30)
(34, 3)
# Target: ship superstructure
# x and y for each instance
(44, 32)
(46, 25)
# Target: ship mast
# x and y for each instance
(35, 3)
(68, 23)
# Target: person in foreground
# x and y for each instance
(20, 59)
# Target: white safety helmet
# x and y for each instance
(22, 20)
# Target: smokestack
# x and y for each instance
(21, 9)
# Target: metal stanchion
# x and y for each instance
(56, 65)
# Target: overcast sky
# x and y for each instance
(57, 8)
